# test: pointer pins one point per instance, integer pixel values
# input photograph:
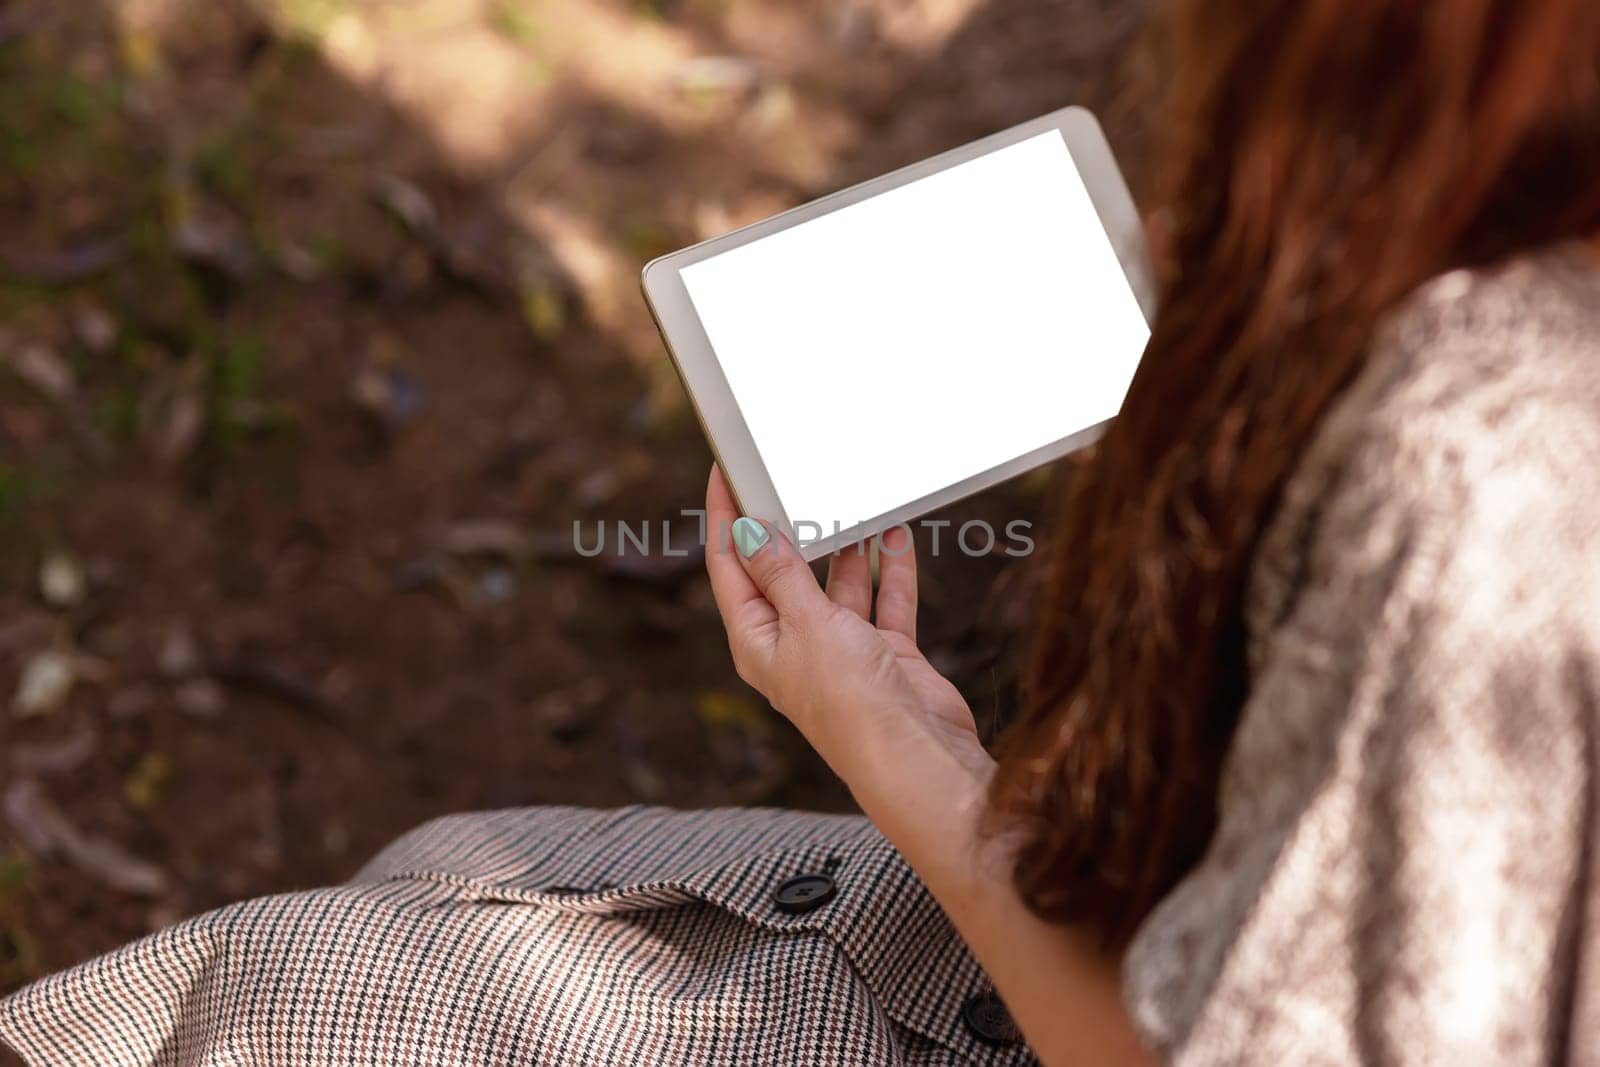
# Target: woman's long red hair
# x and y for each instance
(1323, 159)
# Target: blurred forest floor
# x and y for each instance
(319, 327)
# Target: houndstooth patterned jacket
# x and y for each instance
(552, 936)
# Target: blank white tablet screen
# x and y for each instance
(888, 350)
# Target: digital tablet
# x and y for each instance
(884, 351)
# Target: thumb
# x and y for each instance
(777, 569)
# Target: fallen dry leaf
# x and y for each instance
(46, 680)
(61, 580)
(46, 830)
(46, 371)
(56, 757)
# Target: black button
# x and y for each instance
(987, 1018)
(800, 895)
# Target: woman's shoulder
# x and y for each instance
(1453, 495)
(1497, 358)
(1474, 348)
(1477, 416)
(1493, 359)
(1405, 816)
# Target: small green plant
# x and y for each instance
(512, 20)
(234, 381)
(220, 165)
(19, 956)
(118, 415)
(79, 102)
(13, 875)
(19, 486)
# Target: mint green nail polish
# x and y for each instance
(749, 535)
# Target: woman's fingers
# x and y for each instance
(778, 571)
(738, 600)
(757, 577)
(850, 579)
(897, 582)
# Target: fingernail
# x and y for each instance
(749, 535)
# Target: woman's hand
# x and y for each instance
(851, 679)
(903, 740)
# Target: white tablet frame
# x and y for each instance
(713, 400)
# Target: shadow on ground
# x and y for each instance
(306, 382)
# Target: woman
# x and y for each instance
(1309, 772)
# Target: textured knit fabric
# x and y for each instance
(545, 936)
(1405, 869)
(1403, 873)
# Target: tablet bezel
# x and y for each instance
(713, 400)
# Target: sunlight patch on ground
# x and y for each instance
(613, 133)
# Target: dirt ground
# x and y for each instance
(319, 328)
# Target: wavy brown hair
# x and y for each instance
(1322, 159)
